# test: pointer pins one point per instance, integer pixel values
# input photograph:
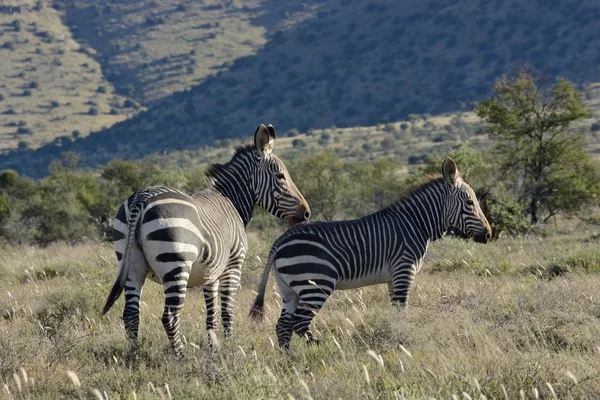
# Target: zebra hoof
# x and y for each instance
(313, 341)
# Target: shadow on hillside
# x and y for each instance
(359, 64)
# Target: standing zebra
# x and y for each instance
(310, 260)
(184, 241)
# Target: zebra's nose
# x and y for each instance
(488, 236)
(305, 212)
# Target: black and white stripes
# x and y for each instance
(184, 241)
(310, 260)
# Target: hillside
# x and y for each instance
(49, 87)
(352, 64)
(150, 49)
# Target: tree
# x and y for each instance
(541, 156)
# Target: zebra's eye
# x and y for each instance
(470, 203)
(280, 175)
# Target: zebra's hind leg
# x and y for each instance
(286, 319)
(285, 323)
(133, 292)
(210, 292)
(228, 286)
(303, 316)
(175, 288)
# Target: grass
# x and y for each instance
(466, 333)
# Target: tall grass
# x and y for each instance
(470, 331)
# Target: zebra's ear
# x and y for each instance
(450, 171)
(264, 139)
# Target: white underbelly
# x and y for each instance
(199, 275)
(358, 283)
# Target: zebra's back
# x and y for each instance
(348, 254)
(201, 230)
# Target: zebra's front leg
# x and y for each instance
(402, 280)
(228, 286)
(210, 292)
(175, 288)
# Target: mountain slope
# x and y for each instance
(355, 64)
(150, 49)
(48, 85)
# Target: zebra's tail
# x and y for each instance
(132, 222)
(258, 307)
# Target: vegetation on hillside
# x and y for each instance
(150, 49)
(537, 158)
(346, 63)
(52, 90)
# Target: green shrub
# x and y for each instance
(298, 143)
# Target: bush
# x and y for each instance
(324, 139)
(24, 131)
(130, 104)
(298, 143)
(292, 132)
(33, 85)
(27, 93)
(76, 134)
(54, 104)
(102, 89)
(153, 20)
(93, 111)
(595, 127)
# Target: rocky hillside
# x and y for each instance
(353, 63)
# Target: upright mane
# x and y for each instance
(419, 186)
(213, 171)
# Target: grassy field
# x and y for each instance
(517, 315)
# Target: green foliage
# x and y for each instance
(541, 157)
(338, 189)
(69, 204)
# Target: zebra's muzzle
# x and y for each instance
(482, 237)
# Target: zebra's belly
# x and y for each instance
(199, 275)
(361, 282)
(202, 273)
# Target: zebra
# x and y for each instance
(185, 241)
(310, 260)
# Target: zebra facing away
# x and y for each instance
(310, 260)
(185, 241)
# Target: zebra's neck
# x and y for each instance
(423, 211)
(234, 181)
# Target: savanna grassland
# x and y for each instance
(516, 315)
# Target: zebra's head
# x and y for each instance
(463, 210)
(274, 188)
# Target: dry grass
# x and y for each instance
(467, 332)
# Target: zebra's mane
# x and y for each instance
(420, 185)
(214, 169)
